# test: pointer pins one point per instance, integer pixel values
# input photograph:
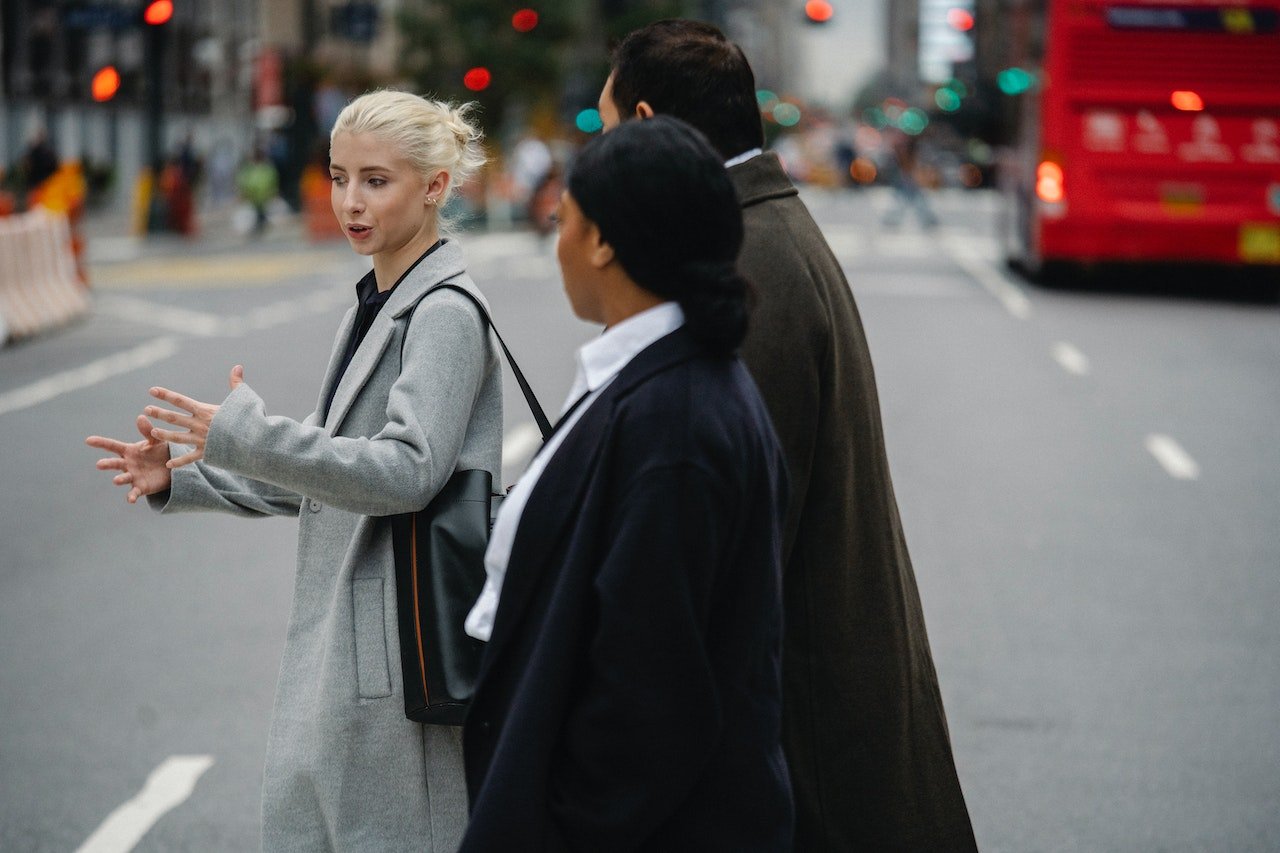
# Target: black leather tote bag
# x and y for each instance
(439, 554)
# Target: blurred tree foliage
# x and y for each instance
(622, 16)
(443, 39)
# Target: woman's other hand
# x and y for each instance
(142, 464)
(195, 421)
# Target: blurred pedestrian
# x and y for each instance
(863, 724)
(258, 183)
(39, 161)
(629, 697)
(904, 168)
(177, 185)
(413, 393)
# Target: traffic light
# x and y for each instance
(960, 19)
(106, 82)
(818, 11)
(1014, 81)
(477, 79)
(158, 12)
(524, 20)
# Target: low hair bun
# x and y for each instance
(712, 274)
(717, 305)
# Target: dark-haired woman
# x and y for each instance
(629, 697)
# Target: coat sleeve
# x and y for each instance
(203, 488)
(397, 470)
(645, 721)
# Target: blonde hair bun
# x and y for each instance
(433, 135)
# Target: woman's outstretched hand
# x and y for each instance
(141, 464)
(196, 420)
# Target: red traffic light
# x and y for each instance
(819, 11)
(960, 19)
(158, 12)
(477, 79)
(524, 20)
(105, 83)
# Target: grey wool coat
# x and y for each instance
(863, 726)
(345, 770)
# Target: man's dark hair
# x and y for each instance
(689, 70)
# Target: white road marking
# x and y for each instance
(1176, 461)
(204, 324)
(845, 243)
(86, 375)
(171, 317)
(167, 787)
(1072, 360)
(927, 286)
(992, 280)
(519, 444)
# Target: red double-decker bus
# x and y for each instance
(1151, 133)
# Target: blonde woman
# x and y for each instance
(412, 393)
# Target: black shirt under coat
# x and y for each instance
(369, 301)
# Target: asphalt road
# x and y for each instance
(1089, 481)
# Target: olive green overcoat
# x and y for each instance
(863, 725)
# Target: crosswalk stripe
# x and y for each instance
(90, 374)
(168, 786)
(1176, 462)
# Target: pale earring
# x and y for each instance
(431, 200)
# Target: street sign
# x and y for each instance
(99, 16)
(354, 21)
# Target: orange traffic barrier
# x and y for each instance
(39, 286)
(316, 205)
(64, 192)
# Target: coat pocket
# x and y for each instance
(372, 674)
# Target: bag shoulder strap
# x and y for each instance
(539, 416)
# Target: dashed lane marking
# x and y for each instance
(90, 374)
(168, 786)
(1175, 461)
(1010, 295)
(1071, 359)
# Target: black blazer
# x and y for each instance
(629, 697)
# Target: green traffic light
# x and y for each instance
(589, 121)
(1014, 81)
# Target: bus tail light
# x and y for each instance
(1049, 182)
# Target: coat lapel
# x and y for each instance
(444, 263)
(556, 498)
(335, 357)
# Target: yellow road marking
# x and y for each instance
(231, 271)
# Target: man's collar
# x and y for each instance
(743, 157)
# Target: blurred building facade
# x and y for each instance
(241, 74)
(52, 51)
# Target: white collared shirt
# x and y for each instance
(743, 157)
(599, 362)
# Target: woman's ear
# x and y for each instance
(602, 253)
(437, 187)
(643, 110)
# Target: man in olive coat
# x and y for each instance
(863, 725)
